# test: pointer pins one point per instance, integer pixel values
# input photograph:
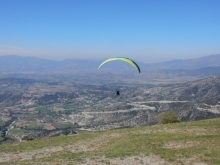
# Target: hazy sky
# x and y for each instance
(146, 30)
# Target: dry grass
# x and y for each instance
(182, 143)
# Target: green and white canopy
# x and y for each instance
(123, 59)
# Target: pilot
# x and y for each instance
(117, 92)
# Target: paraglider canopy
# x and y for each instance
(123, 59)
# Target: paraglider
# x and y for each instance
(123, 59)
(117, 92)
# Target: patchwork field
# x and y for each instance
(34, 109)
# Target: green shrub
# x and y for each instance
(168, 117)
(1, 122)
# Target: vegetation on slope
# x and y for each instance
(168, 117)
(1, 122)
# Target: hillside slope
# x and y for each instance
(196, 90)
(183, 143)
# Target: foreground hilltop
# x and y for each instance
(181, 143)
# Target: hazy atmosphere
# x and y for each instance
(147, 31)
(110, 82)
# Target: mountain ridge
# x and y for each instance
(20, 63)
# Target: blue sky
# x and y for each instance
(144, 30)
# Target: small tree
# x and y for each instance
(168, 117)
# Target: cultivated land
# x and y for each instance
(196, 143)
(31, 109)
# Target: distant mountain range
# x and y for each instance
(13, 63)
(197, 63)
(207, 65)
